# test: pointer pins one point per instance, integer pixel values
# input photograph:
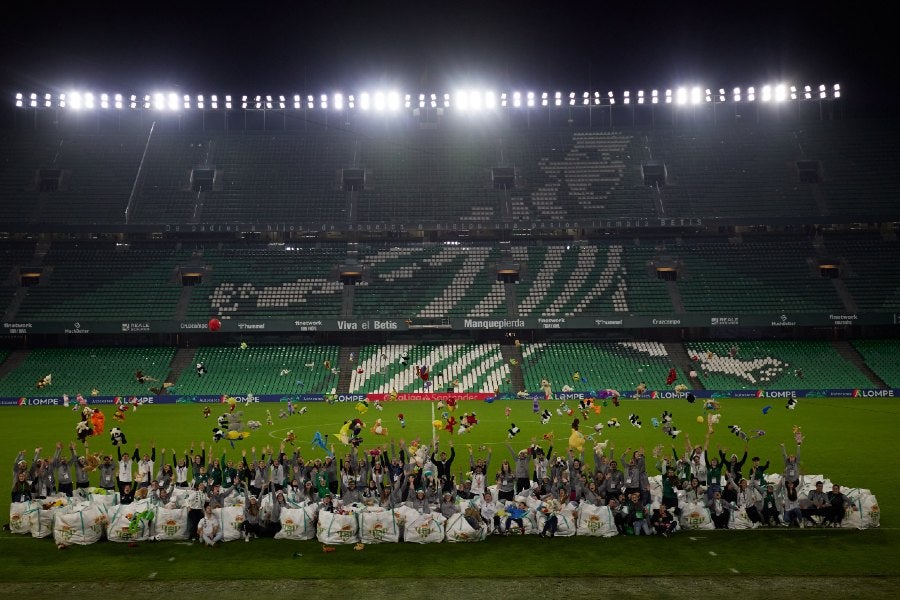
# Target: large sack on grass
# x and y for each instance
(129, 522)
(740, 520)
(378, 525)
(458, 529)
(42, 517)
(863, 513)
(79, 527)
(101, 497)
(230, 519)
(20, 516)
(298, 523)
(424, 529)
(596, 521)
(171, 524)
(565, 523)
(695, 516)
(337, 528)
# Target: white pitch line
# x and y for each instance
(735, 571)
(151, 575)
(711, 553)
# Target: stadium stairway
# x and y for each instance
(517, 380)
(184, 358)
(12, 362)
(675, 296)
(852, 355)
(679, 355)
(346, 367)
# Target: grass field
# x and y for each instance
(852, 441)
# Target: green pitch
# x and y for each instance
(852, 441)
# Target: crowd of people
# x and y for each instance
(489, 496)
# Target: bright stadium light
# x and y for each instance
(407, 101)
(338, 102)
(33, 101)
(434, 101)
(544, 99)
(364, 101)
(780, 93)
(837, 90)
(310, 102)
(517, 99)
(104, 101)
(668, 96)
(446, 100)
(132, 101)
(173, 101)
(503, 99)
(351, 101)
(737, 94)
(296, 101)
(393, 100)
(571, 98)
(640, 96)
(88, 100)
(159, 101)
(626, 97)
(681, 96)
(585, 98)
(708, 95)
(19, 99)
(490, 100)
(421, 100)
(557, 99)
(530, 99)
(654, 96)
(751, 94)
(228, 102)
(461, 100)
(695, 95)
(475, 100)
(821, 90)
(48, 101)
(281, 102)
(187, 101)
(721, 94)
(62, 100)
(148, 104)
(323, 101)
(596, 98)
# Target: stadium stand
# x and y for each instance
(587, 366)
(257, 281)
(476, 368)
(869, 269)
(257, 370)
(98, 281)
(881, 357)
(111, 371)
(773, 365)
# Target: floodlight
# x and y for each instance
(766, 93)
(351, 101)
(338, 102)
(557, 99)
(462, 100)
(544, 99)
(837, 87)
(708, 95)
(446, 100)
(596, 98)
(751, 94)
(310, 101)
(668, 96)
(475, 100)
(173, 101)
(780, 93)
(33, 99)
(821, 87)
(626, 97)
(517, 99)
(323, 100)
(695, 95)
(503, 99)
(47, 100)
(147, 101)
(364, 101)
(721, 94)
(104, 100)
(530, 99)
(187, 101)
(681, 95)
(490, 100)
(228, 102)
(19, 99)
(132, 101)
(407, 100)
(421, 100)
(89, 100)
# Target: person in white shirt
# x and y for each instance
(489, 509)
(208, 529)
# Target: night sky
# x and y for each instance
(326, 46)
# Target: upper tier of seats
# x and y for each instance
(448, 174)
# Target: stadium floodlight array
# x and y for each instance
(464, 100)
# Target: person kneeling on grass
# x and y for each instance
(208, 529)
(251, 524)
(663, 522)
